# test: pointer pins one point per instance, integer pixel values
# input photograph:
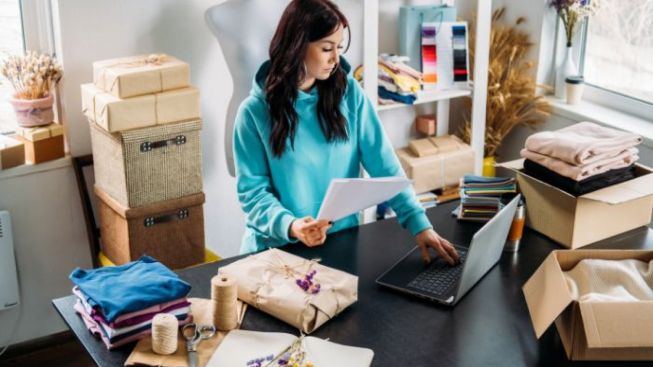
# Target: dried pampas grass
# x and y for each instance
(512, 100)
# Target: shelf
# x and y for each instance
(430, 96)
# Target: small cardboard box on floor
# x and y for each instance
(591, 330)
(578, 221)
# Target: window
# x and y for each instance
(11, 42)
(617, 54)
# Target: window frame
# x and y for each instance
(607, 97)
(38, 29)
(37, 32)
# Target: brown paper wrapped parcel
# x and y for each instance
(138, 75)
(267, 281)
(115, 114)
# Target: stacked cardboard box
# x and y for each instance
(145, 133)
(436, 162)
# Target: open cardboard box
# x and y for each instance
(578, 221)
(589, 330)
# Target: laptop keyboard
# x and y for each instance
(439, 277)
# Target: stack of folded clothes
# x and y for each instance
(118, 303)
(581, 158)
(398, 82)
(480, 197)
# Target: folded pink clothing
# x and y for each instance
(582, 143)
(131, 318)
(94, 328)
(581, 172)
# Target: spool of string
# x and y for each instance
(224, 298)
(164, 333)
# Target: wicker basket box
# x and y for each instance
(144, 166)
(171, 231)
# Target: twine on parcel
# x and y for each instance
(137, 61)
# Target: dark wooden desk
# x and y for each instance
(489, 327)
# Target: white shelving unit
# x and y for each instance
(442, 98)
(429, 97)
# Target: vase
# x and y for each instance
(566, 68)
(33, 112)
(489, 169)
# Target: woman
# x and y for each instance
(306, 122)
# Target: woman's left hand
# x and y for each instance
(430, 239)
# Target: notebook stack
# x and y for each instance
(481, 196)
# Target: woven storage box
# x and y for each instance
(144, 166)
(171, 231)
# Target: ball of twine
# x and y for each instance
(164, 333)
(224, 300)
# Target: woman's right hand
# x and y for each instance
(310, 231)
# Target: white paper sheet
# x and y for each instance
(241, 346)
(351, 195)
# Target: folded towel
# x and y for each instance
(581, 172)
(594, 280)
(581, 143)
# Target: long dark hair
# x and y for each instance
(302, 22)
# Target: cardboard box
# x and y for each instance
(426, 124)
(435, 144)
(115, 114)
(591, 330)
(438, 170)
(12, 152)
(42, 144)
(578, 221)
(139, 75)
(171, 231)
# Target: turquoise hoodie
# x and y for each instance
(275, 191)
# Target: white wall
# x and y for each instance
(50, 241)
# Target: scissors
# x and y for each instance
(194, 334)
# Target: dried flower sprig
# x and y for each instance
(293, 356)
(512, 100)
(32, 75)
(571, 12)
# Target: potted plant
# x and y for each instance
(511, 100)
(571, 13)
(33, 77)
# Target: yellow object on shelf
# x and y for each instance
(209, 257)
(489, 169)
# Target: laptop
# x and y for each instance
(446, 284)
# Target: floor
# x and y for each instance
(68, 354)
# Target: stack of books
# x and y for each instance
(481, 196)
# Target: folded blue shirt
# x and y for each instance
(131, 287)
